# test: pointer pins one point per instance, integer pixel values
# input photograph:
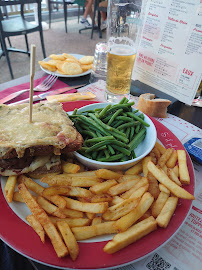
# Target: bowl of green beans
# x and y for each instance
(116, 136)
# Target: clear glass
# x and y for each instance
(99, 69)
(124, 27)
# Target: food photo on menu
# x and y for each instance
(96, 174)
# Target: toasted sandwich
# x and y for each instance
(35, 147)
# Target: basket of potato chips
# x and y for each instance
(67, 64)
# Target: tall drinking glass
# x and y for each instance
(124, 27)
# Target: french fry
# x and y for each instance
(122, 187)
(156, 152)
(159, 203)
(97, 198)
(144, 165)
(107, 174)
(38, 189)
(142, 182)
(172, 176)
(103, 187)
(167, 212)
(165, 157)
(160, 147)
(126, 221)
(69, 239)
(17, 197)
(67, 190)
(68, 167)
(86, 207)
(153, 185)
(176, 170)
(91, 216)
(130, 236)
(72, 222)
(183, 170)
(167, 182)
(172, 160)
(56, 190)
(115, 200)
(10, 187)
(30, 184)
(163, 188)
(72, 213)
(50, 208)
(145, 215)
(69, 180)
(126, 177)
(139, 192)
(44, 220)
(121, 209)
(37, 227)
(136, 169)
(82, 233)
(96, 220)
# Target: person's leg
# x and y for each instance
(88, 11)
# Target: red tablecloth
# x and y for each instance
(58, 84)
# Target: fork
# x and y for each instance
(42, 87)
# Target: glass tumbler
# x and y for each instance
(99, 69)
(124, 27)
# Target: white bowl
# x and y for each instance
(141, 151)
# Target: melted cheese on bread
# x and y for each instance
(50, 126)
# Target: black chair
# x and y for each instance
(54, 4)
(14, 26)
(97, 10)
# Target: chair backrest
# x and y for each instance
(14, 5)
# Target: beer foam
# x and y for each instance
(122, 49)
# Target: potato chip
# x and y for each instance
(71, 68)
(57, 57)
(86, 67)
(86, 60)
(69, 56)
(47, 66)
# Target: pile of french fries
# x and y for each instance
(80, 204)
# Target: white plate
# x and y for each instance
(78, 56)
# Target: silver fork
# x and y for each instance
(42, 87)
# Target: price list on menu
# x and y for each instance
(169, 56)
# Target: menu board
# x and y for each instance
(169, 56)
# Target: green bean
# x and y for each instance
(112, 158)
(98, 139)
(75, 111)
(127, 132)
(106, 154)
(124, 106)
(90, 133)
(138, 118)
(129, 124)
(114, 116)
(103, 111)
(111, 150)
(123, 150)
(132, 132)
(137, 128)
(137, 139)
(117, 123)
(124, 99)
(125, 118)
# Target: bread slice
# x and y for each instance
(153, 107)
(51, 132)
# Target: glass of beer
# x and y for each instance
(123, 31)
